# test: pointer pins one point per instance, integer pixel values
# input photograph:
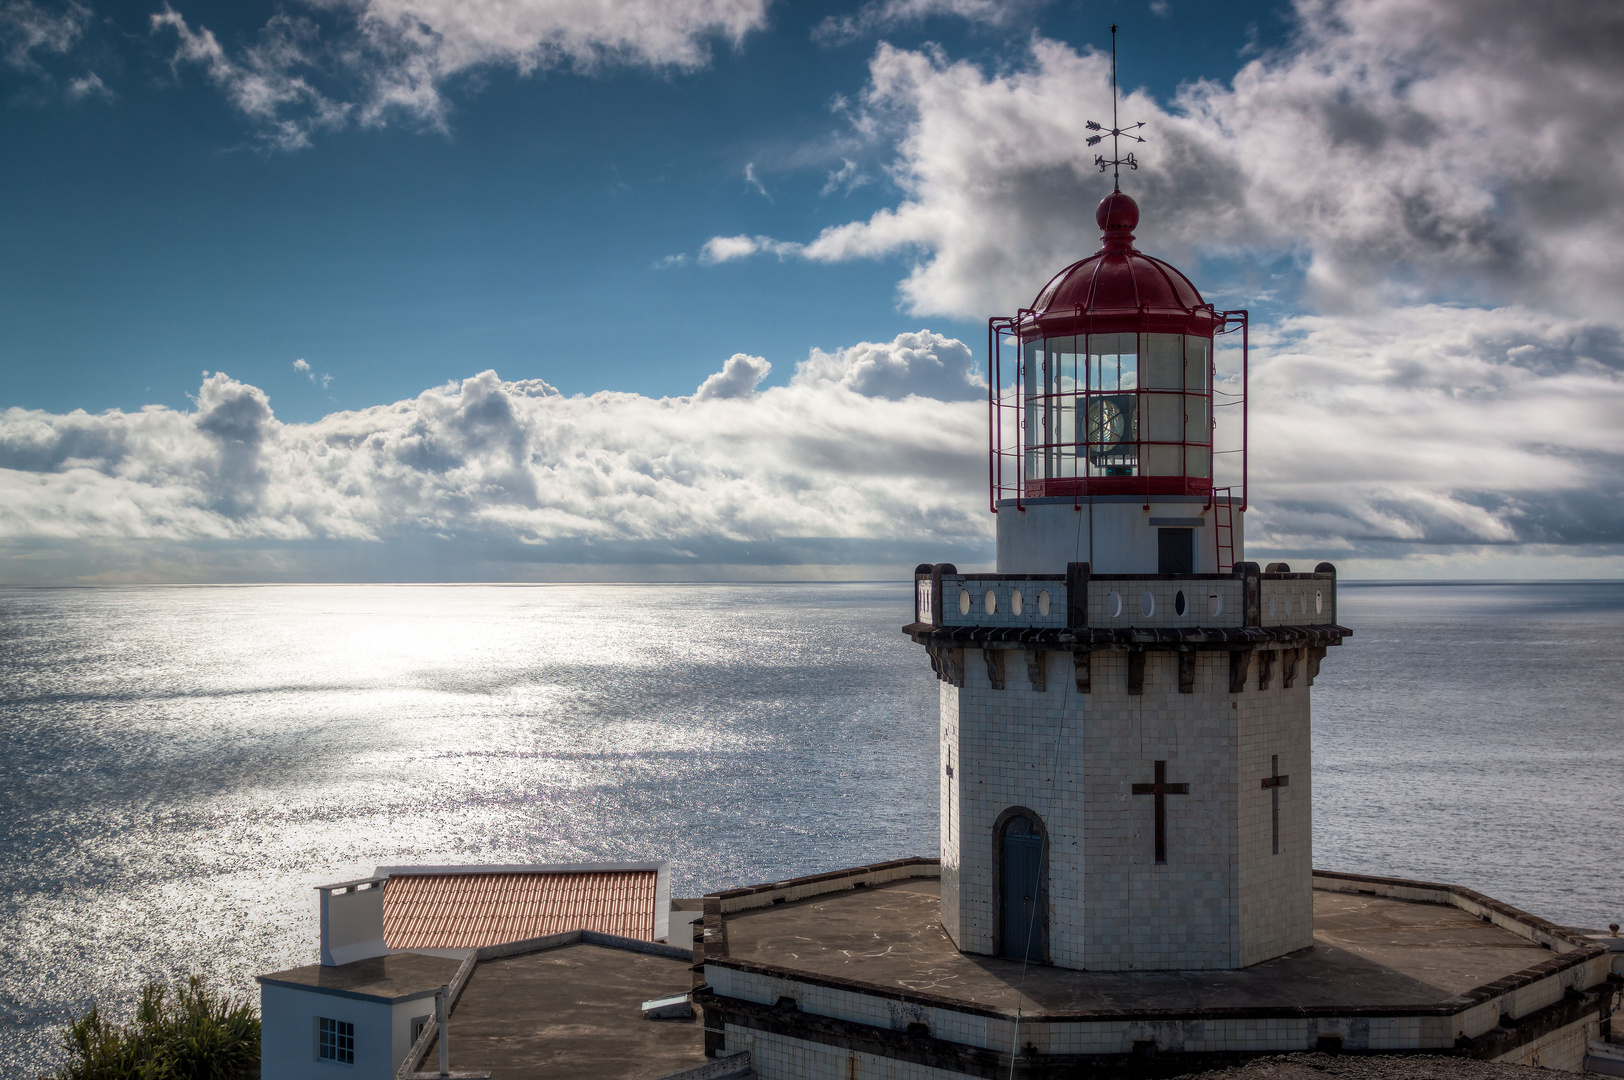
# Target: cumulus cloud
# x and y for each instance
(1406, 150)
(1437, 429)
(1437, 426)
(811, 473)
(740, 375)
(924, 364)
(375, 60)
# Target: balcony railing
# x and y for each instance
(1079, 600)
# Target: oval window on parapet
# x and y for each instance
(1113, 604)
(1015, 602)
(1043, 602)
(1215, 605)
(1147, 603)
(964, 601)
(1178, 602)
(1302, 606)
(1319, 602)
(1271, 607)
(990, 602)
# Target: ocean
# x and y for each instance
(180, 766)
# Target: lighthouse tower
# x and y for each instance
(1125, 753)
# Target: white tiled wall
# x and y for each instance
(1222, 899)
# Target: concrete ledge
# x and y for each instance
(778, 892)
(731, 1065)
(1213, 637)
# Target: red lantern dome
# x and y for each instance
(1118, 288)
(1113, 392)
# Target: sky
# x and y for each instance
(454, 290)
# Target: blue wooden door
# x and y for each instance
(1023, 862)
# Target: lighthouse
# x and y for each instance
(1126, 773)
(1126, 779)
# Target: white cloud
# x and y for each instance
(1427, 438)
(738, 378)
(303, 367)
(270, 83)
(786, 475)
(845, 179)
(721, 249)
(28, 29)
(922, 363)
(754, 181)
(386, 59)
(1405, 149)
(1436, 426)
(879, 16)
(88, 85)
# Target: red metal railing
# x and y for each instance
(1107, 451)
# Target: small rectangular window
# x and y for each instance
(335, 1041)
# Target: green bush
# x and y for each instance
(190, 1032)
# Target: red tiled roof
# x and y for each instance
(470, 910)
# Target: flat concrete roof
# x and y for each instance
(383, 978)
(1368, 952)
(573, 1013)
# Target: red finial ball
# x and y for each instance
(1117, 211)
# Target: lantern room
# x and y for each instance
(1104, 389)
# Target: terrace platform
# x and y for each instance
(1368, 951)
(851, 972)
(580, 1017)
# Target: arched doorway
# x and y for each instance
(1021, 887)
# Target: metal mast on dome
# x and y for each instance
(1116, 160)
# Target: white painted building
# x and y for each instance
(392, 941)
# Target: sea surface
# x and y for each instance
(180, 766)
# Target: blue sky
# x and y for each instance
(154, 235)
(697, 288)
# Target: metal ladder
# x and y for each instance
(1223, 529)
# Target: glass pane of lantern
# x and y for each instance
(1197, 363)
(1163, 419)
(1060, 407)
(1163, 366)
(1032, 360)
(1114, 359)
(1197, 429)
(1161, 460)
(1198, 461)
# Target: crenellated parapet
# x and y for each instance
(1289, 618)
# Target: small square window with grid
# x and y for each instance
(335, 1041)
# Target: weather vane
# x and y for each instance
(1116, 160)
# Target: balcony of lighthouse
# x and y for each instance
(1079, 608)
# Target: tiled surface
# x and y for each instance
(459, 911)
(1150, 602)
(1297, 603)
(1370, 953)
(1206, 602)
(780, 1057)
(572, 1013)
(1563, 1049)
(1223, 899)
(387, 977)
